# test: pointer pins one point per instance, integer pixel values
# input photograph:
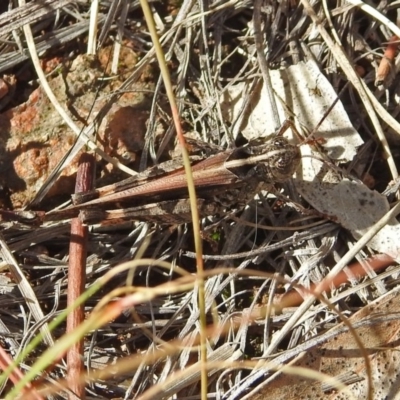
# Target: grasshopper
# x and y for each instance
(224, 180)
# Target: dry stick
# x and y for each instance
(387, 62)
(76, 278)
(259, 41)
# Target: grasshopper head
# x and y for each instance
(281, 159)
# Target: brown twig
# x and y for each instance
(387, 61)
(294, 297)
(76, 278)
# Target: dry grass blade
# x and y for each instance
(94, 11)
(192, 197)
(27, 292)
(29, 13)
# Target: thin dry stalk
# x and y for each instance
(387, 62)
(77, 278)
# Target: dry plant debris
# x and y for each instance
(239, 69)
(336, 354)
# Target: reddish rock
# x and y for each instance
(34, 138)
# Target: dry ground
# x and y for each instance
(224, 58)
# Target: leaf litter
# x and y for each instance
(216, 112)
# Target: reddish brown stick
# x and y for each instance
(387, 61)
(294, 298)
(77, 278)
